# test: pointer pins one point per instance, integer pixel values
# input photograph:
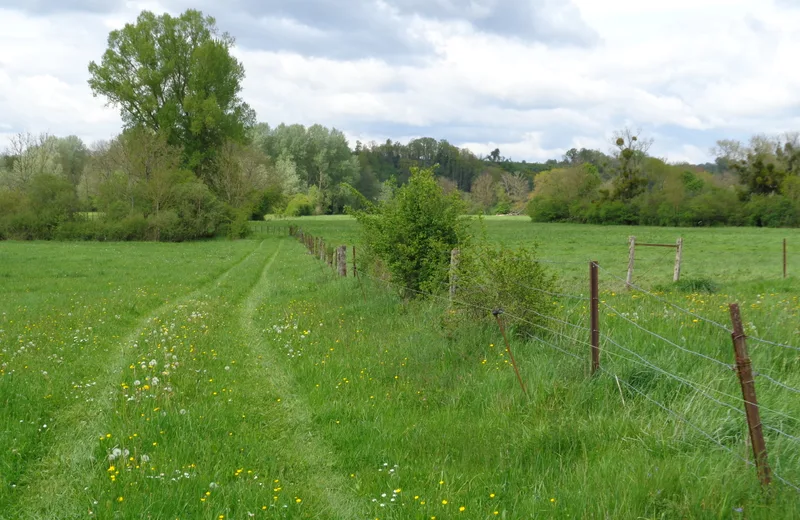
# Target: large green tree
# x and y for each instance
(176, 75)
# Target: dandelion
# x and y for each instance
(120, 499)
(462, 509)
(154, 381)
(491, 495)
(298, 500)
(444, 502)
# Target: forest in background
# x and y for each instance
(192, 161)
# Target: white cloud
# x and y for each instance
(686, 72)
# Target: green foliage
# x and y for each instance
(176, 75)
(300, 205)
(494, 276)
(413, 233)
(697, 285)
(238, 227)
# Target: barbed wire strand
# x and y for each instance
(537, 338)
(776, 382)
(692, 383)
(663, 300)
(768, 342)
(703, 432)
(672, 412)
(662, 338)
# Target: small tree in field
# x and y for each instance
(413, 233)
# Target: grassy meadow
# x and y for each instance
(223, 380)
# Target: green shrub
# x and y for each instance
(413, 233)
(166, 226)
(544, 209)
(299, 206)
(199, 211)
(238, 226)
(498, 277)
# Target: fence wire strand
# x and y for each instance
(662, 338)
(644, 361)
(667, 302)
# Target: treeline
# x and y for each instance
(193, 162)
(753, 184)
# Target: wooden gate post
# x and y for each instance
(631, 257)
(678, 257)
(745, 371)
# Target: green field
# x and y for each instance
(243, 379)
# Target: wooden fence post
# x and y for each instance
(631, 256)
(745, 372)
(678, 257)
(355, 268)
(784, 258)
(454, 254)
(341, 260)
(322, 250)
(594, 280)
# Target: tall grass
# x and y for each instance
(238, 380)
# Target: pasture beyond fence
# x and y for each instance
(598, 341)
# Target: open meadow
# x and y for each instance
(221, 380)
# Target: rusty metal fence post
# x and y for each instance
(594, 281)
(745, 371)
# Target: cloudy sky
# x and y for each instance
(532, 77)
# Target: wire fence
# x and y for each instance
(631, 343)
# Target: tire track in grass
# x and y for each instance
(52, 479)
(315, 452)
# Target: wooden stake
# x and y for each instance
(631, 256)
(784, 258)
(745, 372)
(355, 268)
(497, 313)
(341, 260)
(678, 256)
(454, 254)
(594, 281)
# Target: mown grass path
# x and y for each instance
(317, 456)
(54, 485)
(193, 416)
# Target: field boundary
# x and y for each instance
(596, 342)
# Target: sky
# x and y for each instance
(533, 78)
